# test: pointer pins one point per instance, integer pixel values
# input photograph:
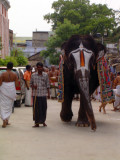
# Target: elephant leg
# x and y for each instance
(86, 102)
(90, 115)
(66, 111)
(82, 120)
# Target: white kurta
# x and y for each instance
(7, 97)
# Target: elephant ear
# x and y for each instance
(101, 51)
(100, 55)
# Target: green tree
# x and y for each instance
(91, 18)
(20, 58)
(76, 17)
(1, 62)
(10, 59)
(62, 33)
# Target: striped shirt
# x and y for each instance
(42, 82)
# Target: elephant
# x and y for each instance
(80, 77)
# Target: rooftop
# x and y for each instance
(6, 3)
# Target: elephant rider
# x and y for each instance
(53, 76)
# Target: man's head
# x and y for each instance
(10, 65)
(39, 66)
(28, 67)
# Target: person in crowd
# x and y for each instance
(116, 86)
(40, 86)
(8, 84)
(106, 92)
(28, 92)
(46, 69)
(53, 76)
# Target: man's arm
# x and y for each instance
(26, 84)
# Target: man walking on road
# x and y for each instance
(28, 92)
(8, 82)
(40, 86)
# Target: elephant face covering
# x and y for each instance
(82, 57)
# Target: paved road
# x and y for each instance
(60, 141)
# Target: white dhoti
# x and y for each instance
(28, 96)
(54, 90)
(7, 97)
(117, 96)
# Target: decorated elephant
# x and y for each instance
(80, 77)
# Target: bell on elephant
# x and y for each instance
(80, 77)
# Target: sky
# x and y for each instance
(26, 16)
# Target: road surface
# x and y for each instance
(59, 140)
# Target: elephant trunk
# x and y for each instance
(82, 78)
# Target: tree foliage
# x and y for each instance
(62, 33)
(10, 59)
(76, 17)
(91, 18)
(19, 56)
(3, 62)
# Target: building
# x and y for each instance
(112, 49)
(39, 38)
(34, 45)
(4, 27)
(34, 59)
(29, 50)
(10, 39)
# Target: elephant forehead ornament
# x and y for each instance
(82, 57)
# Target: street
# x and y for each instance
(59, 140)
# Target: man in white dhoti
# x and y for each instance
(28, 91)
(8, 82)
